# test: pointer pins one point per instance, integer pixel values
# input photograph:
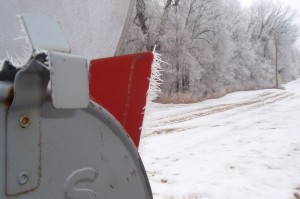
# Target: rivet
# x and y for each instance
(23, 178)
(24, 121)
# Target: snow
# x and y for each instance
(244, 145)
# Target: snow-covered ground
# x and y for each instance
(245, 145)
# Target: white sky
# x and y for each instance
(295, 4)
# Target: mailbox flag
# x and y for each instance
(120, 84)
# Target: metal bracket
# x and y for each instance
(23, 133)
(70, 90)
(69, 81)
(69, 73)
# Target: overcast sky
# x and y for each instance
(295, 4)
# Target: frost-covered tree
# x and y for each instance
(273, 35)
(214, 46)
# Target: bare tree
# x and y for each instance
(213, 46)
(270, 20)
(271, 23)
(140, 20)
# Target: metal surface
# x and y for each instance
(120, 84)
(69, 80)
(49, 153)
(85, 153)
(69, 73)
(5, 89)
(23, 131)
(1, 64)
(93, 28)
(78, 153)
(44, 33)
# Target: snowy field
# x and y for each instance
(245, 145)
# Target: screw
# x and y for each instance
(23, 178)
(24, 121)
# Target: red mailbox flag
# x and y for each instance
(120, 85)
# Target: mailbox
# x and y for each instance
(54, 141)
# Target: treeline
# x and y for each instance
(214, 47)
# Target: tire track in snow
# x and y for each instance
(259, 101)
(265, 94)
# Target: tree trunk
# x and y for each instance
(140, 16)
